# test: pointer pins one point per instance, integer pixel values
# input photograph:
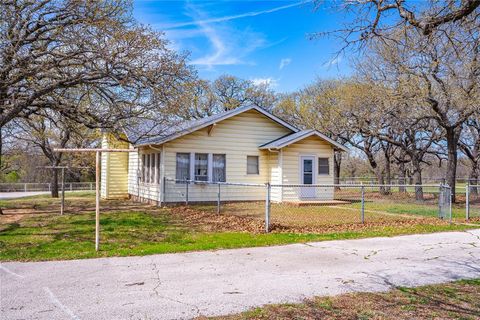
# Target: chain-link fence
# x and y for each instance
(311, 208)
(472, 202)
(33, 186)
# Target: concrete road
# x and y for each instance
(181, 286)
(16, 195)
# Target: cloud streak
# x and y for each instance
(284, 62)
(233, 17)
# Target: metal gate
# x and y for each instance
(445, 203)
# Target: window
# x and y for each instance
(152, 167)
(142, 173)
(147, 168)
(201, 167)
(149, 171)
(158, 168)
(323, 166)
(252, 165)
(183, 166)
(219, 166)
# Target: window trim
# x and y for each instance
(224, 167)
(258, 165)
(323, 166)
(209, 166)
(189, 165)
(208, 175)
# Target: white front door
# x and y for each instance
(307, 176)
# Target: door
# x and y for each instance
(307, 165)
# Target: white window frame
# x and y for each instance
(211, 167)
(318, 166)
(258, 165)
(209, 164)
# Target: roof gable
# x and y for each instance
(297, 136)
(187, 127)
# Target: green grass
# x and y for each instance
(455, 300)
(126, 233)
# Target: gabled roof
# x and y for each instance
(297, 136)
(187, 127)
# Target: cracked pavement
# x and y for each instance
(186, 285)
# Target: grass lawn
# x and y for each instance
(456, 300)
(32, 229)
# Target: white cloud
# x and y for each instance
(270, 82)
(333, 62)
(228, 47)
(284, 62)
(233, 17)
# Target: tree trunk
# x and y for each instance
(54, 182)
(473, 179)
(381, 182)
(388, 175)
(337, 160)
(401, 177)
(452, 141)
(417, 179)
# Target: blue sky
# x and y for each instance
(255, 40)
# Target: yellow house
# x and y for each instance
(245, 147)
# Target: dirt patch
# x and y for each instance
(205, 220)
(212, 222)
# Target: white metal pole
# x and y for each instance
(218, 199)
(450, 206)
(467, 201)
(267, 209)
(97, 200)
(363, 204)
(62, 206)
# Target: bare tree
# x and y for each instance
(438, 78)
(373, 19)
(49, 131)
(469, 144)
(55, 53)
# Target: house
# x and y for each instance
(245, 146)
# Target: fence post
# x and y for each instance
(186, 192)
(450, 203)
(71, 186)
(267, 208)
(467, 201)
(25, 187)
(91, 186)
(218, 199)
(363, 205)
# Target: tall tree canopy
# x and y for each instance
(88, 61)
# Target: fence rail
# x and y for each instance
(310, 207)
(26, 187)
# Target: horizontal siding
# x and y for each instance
(311, 146)
(236, 137)
(114, 174)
